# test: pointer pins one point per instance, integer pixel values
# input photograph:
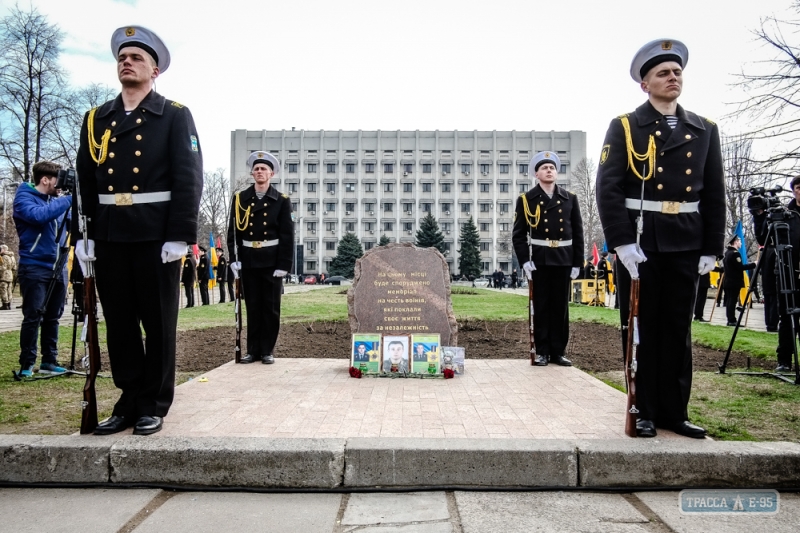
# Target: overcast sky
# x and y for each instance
(411, 64)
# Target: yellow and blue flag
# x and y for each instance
(739, 232)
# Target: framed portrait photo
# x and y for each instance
(365, 352)
(425, 357)
(396, 351)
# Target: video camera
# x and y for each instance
(66, 180)
(763, 199)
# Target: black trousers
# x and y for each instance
(230, 283)
(188, 289)
(138, 291)
(771, 316)
(262, 298)
(731, 301)
(551, 309)
(221, 285)
(203, 283)
(700, 302)
(668, 284)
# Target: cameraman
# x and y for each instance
(39, 216)
(770, 278)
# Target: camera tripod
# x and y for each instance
(778, 229)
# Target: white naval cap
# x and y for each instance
(657, 52)
(545, 157)
(264, 157)
(142, 38)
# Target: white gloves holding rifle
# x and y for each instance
(574, 272)
(279, 273)
(631, 255)
(172, 251)
(236, 266)
(706, 264)
(529, 267)
(83, 255)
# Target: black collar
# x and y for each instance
(647, 114)
(153, 102)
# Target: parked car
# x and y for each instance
(480, 282)
(335, 280)
(310, 280)
(294, 278)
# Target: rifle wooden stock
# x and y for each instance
(631, 348)
(237, 308)
(530, 321)
(89, 404)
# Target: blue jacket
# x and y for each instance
(38, 218)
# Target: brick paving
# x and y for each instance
(317, 398)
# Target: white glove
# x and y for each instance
(82, 255)
(528, 268)
(574, 272)
(236, 266)
(631, 255)
(172, 251)
(706, 264)
(279, 273)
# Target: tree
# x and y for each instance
(469, 261)
(741, 174)
(32, 85)
(584, 178)
(348, 250)
(215, 204)
(429, 235)
(773, 100)
(64, 138)
(384, 240)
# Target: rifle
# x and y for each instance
(89, 333)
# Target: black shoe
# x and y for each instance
(783, 368)
(645, 428)
(772, 330)
(541, 360)
(688, 429)
(112, 425)
(701, 319)
(245, 359)
(560, 360)
(268, 359)
(731, 324)
(147, 425)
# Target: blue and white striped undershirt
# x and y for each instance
(672, 120)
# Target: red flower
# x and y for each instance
(448, 373)
(354, 372)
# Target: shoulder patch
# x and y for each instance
(604, 153)
(177, 104)
(285, 195)
(623, 115)
(710, 121)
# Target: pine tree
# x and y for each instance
(384, 240)
(469, 262)
(348, 250)
(429, 235)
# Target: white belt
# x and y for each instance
(549, 243)
(260, 244)
(669, 208)
(127, 198)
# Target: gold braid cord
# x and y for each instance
(102, 147)
(531, 218)
(649, 155)
(241, 220)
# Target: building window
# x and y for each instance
(408, 208)
(330, 207)
(369, 168)
(503, 169)
(331, 168)
(408, 168)
(426, 208)
(292, 187)
(369, 245)
(312, 187)
(408, 226)
(446, 208)
(563, 169)
(523, 188)
(445, 187)
(523, 169)
(446, 246)
(349, 207)
(503, 187)
(349, 187)
(446, 226)
(485, 265)
(350, 226)
(446, 168)
(369, 226)
(503, 226)
(486, 187)
(295, 205)
(408, 187)
(426, 168)
(504, 266)
(292, 168)
(311, 266)
(311, 226)
(312, 247)
(388, 187)
(465, 169)
(388, 226)
(330, 226)
(465, 187)
(465, 208)
(485, 169)
(388, 208)
(350, 168)
(485, 208)
(426, 187)
(331, 245)
(485, 248)
(388, 168)
(369, 187)
(504, 208)
(485, 226)
(331, 187)
(312, 167)
(311, 207)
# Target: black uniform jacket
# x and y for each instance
(688, 168)
(560, 219)
(734, 269)
(202, 269)
(189, 274)
(153, 149)
(270, 218)
(221, 270)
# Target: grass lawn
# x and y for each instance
(732, 407)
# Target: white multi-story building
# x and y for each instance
(374, 183)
